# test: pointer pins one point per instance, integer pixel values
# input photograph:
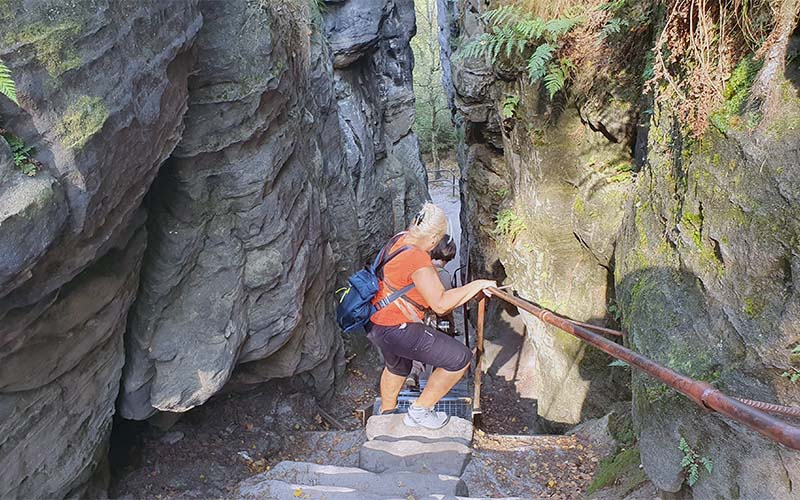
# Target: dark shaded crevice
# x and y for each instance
(598, 127)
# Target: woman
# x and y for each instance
(398, 329)
(442, 253)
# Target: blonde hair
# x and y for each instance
(430, 222)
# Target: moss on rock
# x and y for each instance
(82, 119)
(52, 43)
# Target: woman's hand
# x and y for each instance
(483, 285)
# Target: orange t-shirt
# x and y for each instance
(398, 273)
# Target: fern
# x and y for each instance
(511, 34)
(502, 15)
(510, 106)
(7, 86)
(22, 154)
(537, 63)
(561, 26)
(557, 75)
(612, 27)
(692, 461)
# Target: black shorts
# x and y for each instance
(403, 344)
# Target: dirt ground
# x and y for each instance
(530, 466)
(232, 437)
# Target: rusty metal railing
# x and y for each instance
(702, 393)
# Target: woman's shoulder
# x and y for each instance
(413, 254)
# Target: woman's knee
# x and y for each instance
(459, 358)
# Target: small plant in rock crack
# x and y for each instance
(692, 461)
(22, 153)
(510, 105)
(793, 374)
(614, 310)
(508, 224)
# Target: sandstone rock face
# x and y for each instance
(707, 277)
(240, 250)
(72, 237)
(694, 237)
(230, 280)
(257, 200)
(373, 59)
(542, 202)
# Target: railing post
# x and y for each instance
(476, 399)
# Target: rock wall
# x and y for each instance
(608, 198)
(542, 201)
(707, 277)
(373, 63)
(72, 236)
(193, 212)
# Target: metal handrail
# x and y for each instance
(702, 393)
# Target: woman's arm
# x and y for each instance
(427, 282)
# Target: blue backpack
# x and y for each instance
(355, 300)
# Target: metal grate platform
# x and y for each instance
(457, 403)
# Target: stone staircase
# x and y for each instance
(396, 462)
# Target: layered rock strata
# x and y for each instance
(233, 122)
(542, 203)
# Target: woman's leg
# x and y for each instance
(391, 385)
(396, 368)
(439, 384)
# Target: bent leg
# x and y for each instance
(439, 384)
(391, 385)
(430, 346)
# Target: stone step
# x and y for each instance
(392, 428)
(400, 483)
(444, 457)
(270, 489)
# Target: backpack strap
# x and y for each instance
(377, 269)
(396, 294)
(407, 299)
(379, 259)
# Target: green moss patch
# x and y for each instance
(621, 468)
(736, 91)
(83, 118)
(53, 44)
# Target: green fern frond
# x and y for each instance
(561, 25)
(538, 61)
(7, 86)
(555, 79)
(531, 29)
(502, 15)
(476, 48)
(612, 27)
